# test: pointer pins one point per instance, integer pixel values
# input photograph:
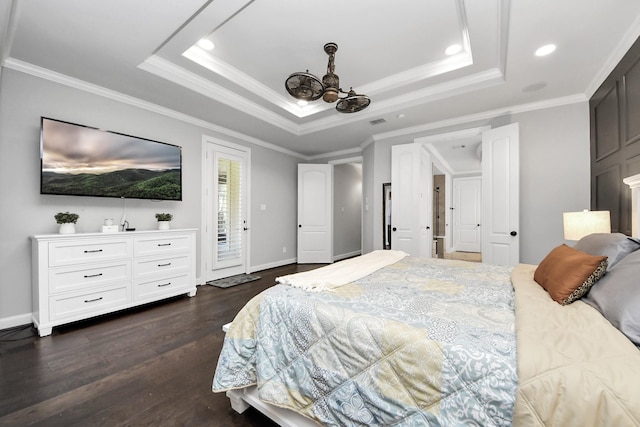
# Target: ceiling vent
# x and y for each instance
(377, 121)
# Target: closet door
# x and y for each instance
(315, 213)
(500, 195)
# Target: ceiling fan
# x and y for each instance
(307, 87)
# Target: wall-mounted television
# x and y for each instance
(79, 160)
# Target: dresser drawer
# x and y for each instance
(76, 252)
(160, 266)
(152, 246)
(92, 303)
(156, 288)
(84, 276)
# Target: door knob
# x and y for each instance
(513, 233)
(428, 228)
(394, 229)
(299, 225)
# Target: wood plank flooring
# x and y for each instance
(148, 366)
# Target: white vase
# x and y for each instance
(163, 225)
(68, 228)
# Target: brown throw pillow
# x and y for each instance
(567, 274)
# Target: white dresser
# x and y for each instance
(77, 276)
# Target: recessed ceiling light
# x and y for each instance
(453, 49)
(545, 50)
(206, 44)
(302, 102)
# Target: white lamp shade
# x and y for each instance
(579, 224)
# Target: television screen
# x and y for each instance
(83, 161)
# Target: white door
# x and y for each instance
(226, 223)
(500, 194)
(467, 208)
(411, 209)
(315, 213)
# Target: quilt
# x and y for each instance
(419, 342)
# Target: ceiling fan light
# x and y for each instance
(331, 83)
(330, 95)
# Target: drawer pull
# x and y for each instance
(93, 251)
(165, 284)
(164, 244)
(93, 300)
(88, 276)
(164, 265)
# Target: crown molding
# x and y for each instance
(459, 86)
(234, 75)
(616, 56)
(356, 150)
(169, 71)
(503, 34)
(483, 116)
(8, 27)
(63, 79)
(346, 160)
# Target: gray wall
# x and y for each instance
(554, 150)
(554, 176)
(347, 210)
(24, 98)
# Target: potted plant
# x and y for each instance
(163, 220)
(67, 221)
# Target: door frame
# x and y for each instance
(449, 173)
(207, 190)
(355, 159)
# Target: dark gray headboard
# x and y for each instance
(614, 111)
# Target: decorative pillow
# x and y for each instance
(567, 274)
(617, 297)
(614, 245)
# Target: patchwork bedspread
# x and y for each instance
(420, 342)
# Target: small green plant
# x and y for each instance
(66, 218)
(164, 216)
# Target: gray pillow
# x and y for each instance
(617, 296)
(614, 245)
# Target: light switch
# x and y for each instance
(263, 207)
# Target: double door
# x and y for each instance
(411, 180)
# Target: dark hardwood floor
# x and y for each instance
(152, 365)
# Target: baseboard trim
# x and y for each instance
(347, 255)
(13, 321)
(275, 264)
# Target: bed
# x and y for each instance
(439, 342)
